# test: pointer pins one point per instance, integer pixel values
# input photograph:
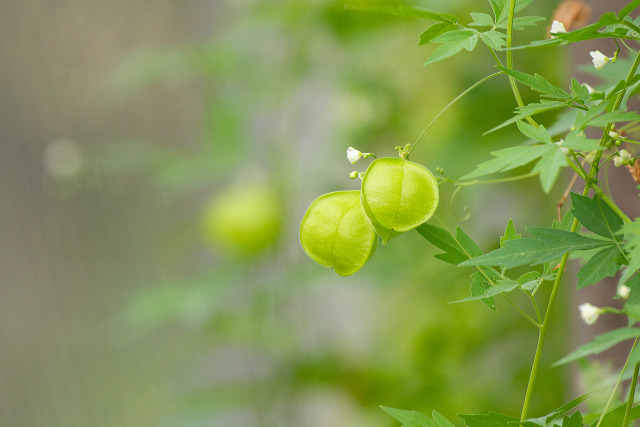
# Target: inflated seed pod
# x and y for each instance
(336, 233)
(398, 195)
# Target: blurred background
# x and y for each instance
(156, 158)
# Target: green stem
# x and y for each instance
(615, 387)
(632, 394)
(469, 89)
(591, 176)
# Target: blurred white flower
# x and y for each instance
(599, 59)
(557, 27)
(624, 291)
(622, 158)
(63, 158)
(590, 88)
(353, 155)
(590, 157)
(613, 134)
(589, 313)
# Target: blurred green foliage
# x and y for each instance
(268, 337)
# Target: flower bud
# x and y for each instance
(557, 27)
(624, 291)
(599, 59)
(589, 313)
(353, 155)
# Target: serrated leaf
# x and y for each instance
(481, 20)
(503, 286)
(469, 246)
(528, 111)
(614, 117)
(520, 22)
(442, 239)
(549, 167)
(493, 39)
(509, 233)
(408, 418)
(530, 281)
(583, 118)
(536, 82)
(402, 10)
(538, 133)
(595, 215)
(600, 343)
(491, 419)
(434, 31)
(579, 91)
(632, 306)
(574, 420)
(546, 419)
(479, 285)
(577, 141)
(632, 247)
(509, 158)
(546, 244)
(602, 264)
(416, 419)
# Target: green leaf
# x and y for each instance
(479, 285)
(481, 20)
(583, 118)
(613, 117)
(454, 41)
(416, 419)
(632, 246)
(628, 8)
(469, 246)
(546, 419)
(509, 233)
(434, 31)
(546, 244)
(536, 82)
(600, 343)
(579, 91)
(503, 286)
(520, 22)
(615, 417)
(539, 133)
(602, 264)
(574, 420)
(577, 141)
(402, 10)
(528, 111)
(501, 7)
(491, 419)
(549, 167)
(493, 39)
(595, 215)
(509, 158)
(632, 306)
(441, 238)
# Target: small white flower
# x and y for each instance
(589, 313)
(557, 27)
(590, 88)
(624, 291)
(353, 155)
(614, 135)
(590, 157)
(564, 150)
(599, 60)
(623, 158)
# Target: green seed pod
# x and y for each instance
(398, 195)
(335, 232)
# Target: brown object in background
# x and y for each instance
(635, 170)
(572, 13)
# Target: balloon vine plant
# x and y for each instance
(341, 229)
